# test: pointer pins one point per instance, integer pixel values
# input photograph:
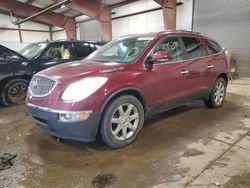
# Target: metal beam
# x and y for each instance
(30, 1)
(123, 3)
(50, 18)
(50, 8)
(95, 10)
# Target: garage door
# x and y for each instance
(228, 22)
(90, 31)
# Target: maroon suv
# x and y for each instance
(113, 90)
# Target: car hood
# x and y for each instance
(74, 71)
(4, 58)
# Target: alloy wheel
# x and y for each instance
(124, 121)
(219, 93)
(17, 93)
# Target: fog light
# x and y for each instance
(73, 116)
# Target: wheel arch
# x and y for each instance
(9, 78)
(126, 91)
(224, 76)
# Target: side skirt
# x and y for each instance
(177, 102)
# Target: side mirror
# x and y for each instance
(161, 56)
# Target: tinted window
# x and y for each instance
(82, 49)
(57, 52)
(213, 47)
(172, 46)
(193, 47)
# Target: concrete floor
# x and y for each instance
(190, 146)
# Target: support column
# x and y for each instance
(71, 34)
(20, 33)
(70, 29)
(169, 14)
(50, 33)
(105, 20)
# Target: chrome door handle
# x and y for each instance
(183, 72)
(210, 66)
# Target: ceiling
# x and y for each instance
(64, 10)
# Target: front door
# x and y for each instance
(55, 54)
(171, 75)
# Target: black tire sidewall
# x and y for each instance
(4, 95)
(106, 134)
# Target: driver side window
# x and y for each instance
(171, 46)
(57, 52)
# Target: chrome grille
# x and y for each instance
(41, 86)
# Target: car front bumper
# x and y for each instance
(48, 120)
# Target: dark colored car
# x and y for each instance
(121, 84)
(16, 69)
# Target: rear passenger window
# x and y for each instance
(213, 47)
(82, 49)
(193, 48)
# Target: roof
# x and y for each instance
(154, 34)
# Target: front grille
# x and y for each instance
(41, 86)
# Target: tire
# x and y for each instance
(218, 94)
(122, 121)
(14, 92)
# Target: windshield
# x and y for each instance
(32, 50)
(122, 51)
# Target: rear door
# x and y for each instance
(196, 55)
(82, 49)
(215, 62)
(55, 54)
(171, 78)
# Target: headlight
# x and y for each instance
(80, 90)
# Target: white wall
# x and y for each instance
(58, 34)
(148, 22)
(10, 38)
(184, 15)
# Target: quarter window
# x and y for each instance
(193, 48)
(172, 46)
(213, 47)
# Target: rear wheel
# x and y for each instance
(217, 96)
(122, 121)
(14, 92)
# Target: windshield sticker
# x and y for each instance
(145, 38)
(132, 52)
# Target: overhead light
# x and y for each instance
(63, 6)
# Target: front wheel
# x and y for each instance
(122, 120)
(217, 96)
(14, 92)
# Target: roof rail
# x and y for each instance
(187, 31)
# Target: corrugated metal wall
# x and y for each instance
(228, 22)
(90, 31)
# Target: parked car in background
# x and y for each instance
(16, 69)
(117, 87)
